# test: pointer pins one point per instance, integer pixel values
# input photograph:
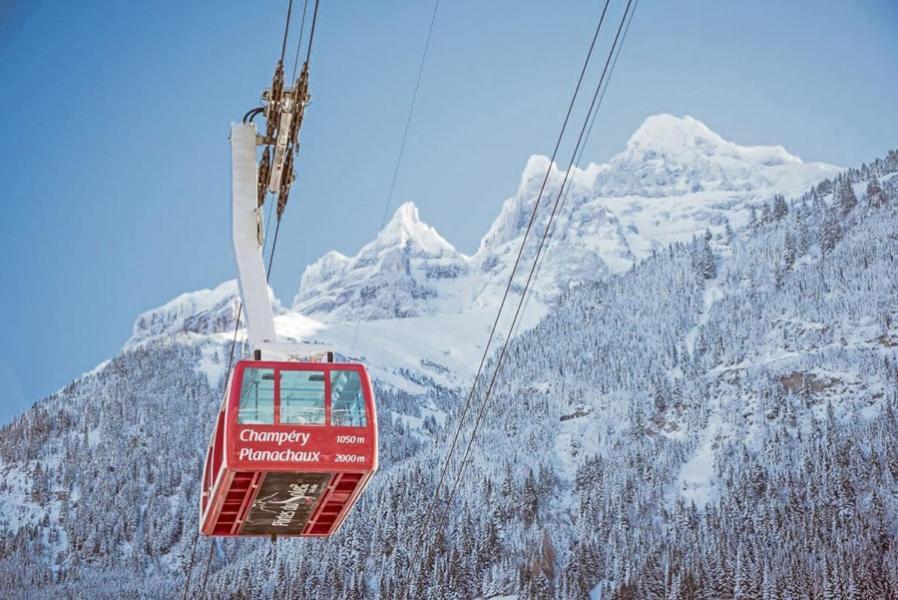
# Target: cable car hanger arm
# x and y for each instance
(247, 237)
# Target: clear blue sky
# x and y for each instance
(114, 157)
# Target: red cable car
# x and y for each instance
(294, 446)
(295, 442)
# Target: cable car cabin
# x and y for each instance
(293, 448)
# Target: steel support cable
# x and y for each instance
(196, 538)
(579, 160)
(408, 119)
(286, 30)
(312, 32)
(530, 222)
(505, 345)
(266, 230)
(408, 122)
(302, 27)
(206, 573)
(274, 243)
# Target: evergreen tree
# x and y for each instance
(830, 234)
(780, 208)
(789, 251)
(844, 196)
(703, 257)
(875, 196)
(529, 499)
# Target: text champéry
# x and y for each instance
(281, 437)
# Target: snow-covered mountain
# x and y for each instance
(718, 421)
(399, 274)
(202, 312)
(675, 179)
(670, 156)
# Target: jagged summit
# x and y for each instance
(395, 275)
(516, 211)
(534, 174)
(407, 229)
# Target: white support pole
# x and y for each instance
(246, 231)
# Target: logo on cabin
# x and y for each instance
(285, 502)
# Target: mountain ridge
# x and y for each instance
(614, 216)
(410, 272)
